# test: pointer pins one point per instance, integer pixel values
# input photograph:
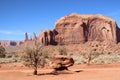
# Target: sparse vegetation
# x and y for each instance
(101, 59)
(11, 58)
(107, 58)
(35, 57)
(2, 52)
(90, 56)
(13, 54)
(78, 58)
(62, 50)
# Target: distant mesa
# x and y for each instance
(10, 43)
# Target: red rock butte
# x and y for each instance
(77, 28)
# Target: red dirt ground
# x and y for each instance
(13, 71)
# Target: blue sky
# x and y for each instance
(20, 16)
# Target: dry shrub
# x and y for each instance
(35, 57)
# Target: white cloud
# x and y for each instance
(5, 32)
(10, 32)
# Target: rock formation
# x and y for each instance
(76, 29)
(61, 62)
(26, 37)
(34, 36)
(47, 37)
(10, 43)
(81, 31)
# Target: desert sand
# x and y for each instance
(77, 72)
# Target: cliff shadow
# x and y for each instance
(85, 31)
(117, 34)
(52, 37)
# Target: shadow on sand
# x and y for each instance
(60, 72)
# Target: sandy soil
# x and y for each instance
(83, 72)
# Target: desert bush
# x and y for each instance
(7, 60)
(47, 52)
(11, 54)
(100, 59)
(35, 57)
(11, 58)
(62, 50)
(107, 58)
(78, 58)
(14, 48)
(90, 56)
(2, 52)
(84, 58)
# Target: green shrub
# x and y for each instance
(2, 52)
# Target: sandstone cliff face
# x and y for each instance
(76, 29)
(61, 62)
(102, 29)
(47, 37)
(118, 34)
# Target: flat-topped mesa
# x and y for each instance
(6, 43)
(76, 29)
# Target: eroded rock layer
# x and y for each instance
(76, 29)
